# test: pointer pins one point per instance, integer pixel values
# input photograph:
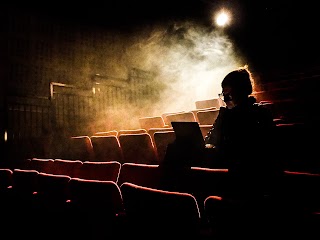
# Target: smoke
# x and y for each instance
(189, 61)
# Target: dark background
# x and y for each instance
(274, 34)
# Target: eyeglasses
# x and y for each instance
(225, 97)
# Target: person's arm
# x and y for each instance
(213, 137)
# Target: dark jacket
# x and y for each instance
(243, 140)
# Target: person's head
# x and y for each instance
(237, 86)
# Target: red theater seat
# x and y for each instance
(156, 213)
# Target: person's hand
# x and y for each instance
(208, 145)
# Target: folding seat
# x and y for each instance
(138, 148)
(151, 122)
(131, 131)
(214, 214)
(229, 218)
(22, 164)
(20, 218)
(24, 189)
(166, 120)
(67, 167)
(106, 148)
(156, 213)
(300, 192)
(151, 131)
(25, 181)
(161, 141)
(204, 182)
(141, 174)
(207, 117)
(97, 208)
(195, 111)
(5, 187)
(209, 103)
(52, 206)
(103, 171)
(5, 178)
(41, 164)
(106, 133)
(80, 148)
(6, 202)
(295, 147)
(52, 191)
(181, 117)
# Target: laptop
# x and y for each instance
(189, 133)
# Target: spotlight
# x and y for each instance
(222, 18)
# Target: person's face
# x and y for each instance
(227, 97)
(226, 92)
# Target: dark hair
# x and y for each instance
(239, 80)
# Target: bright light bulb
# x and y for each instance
(222, 18)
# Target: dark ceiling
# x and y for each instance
(279, 32)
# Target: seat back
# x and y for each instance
(80, 148)
(301, 189)
(5, 178)
(103, 171)
(25, 181)
(151, 122)
(205, 182)
(209, 103)
(106, 133)
(296, 148)
(164, 117)
(40, 164)
(96, 206)
(5, 191)
(106, 148)
(22, 164)
(131, 131)
(24, 189)
(67, 167)
(161, 141)
(96, 195)
(207, 117)
(162, 213)
(215, 214)
(203, 109)
(141, 174)
(151, 131)
(138, 148)
(181, 117)
(52, 190)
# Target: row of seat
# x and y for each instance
(148, 175)
(201, 182)
(207, 111)
(149, 147)
(104, 209)
(136, 145)
(103, 171)
(202, 116)
(145, 144)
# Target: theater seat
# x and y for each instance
(156, 213)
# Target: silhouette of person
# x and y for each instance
(242, 138)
